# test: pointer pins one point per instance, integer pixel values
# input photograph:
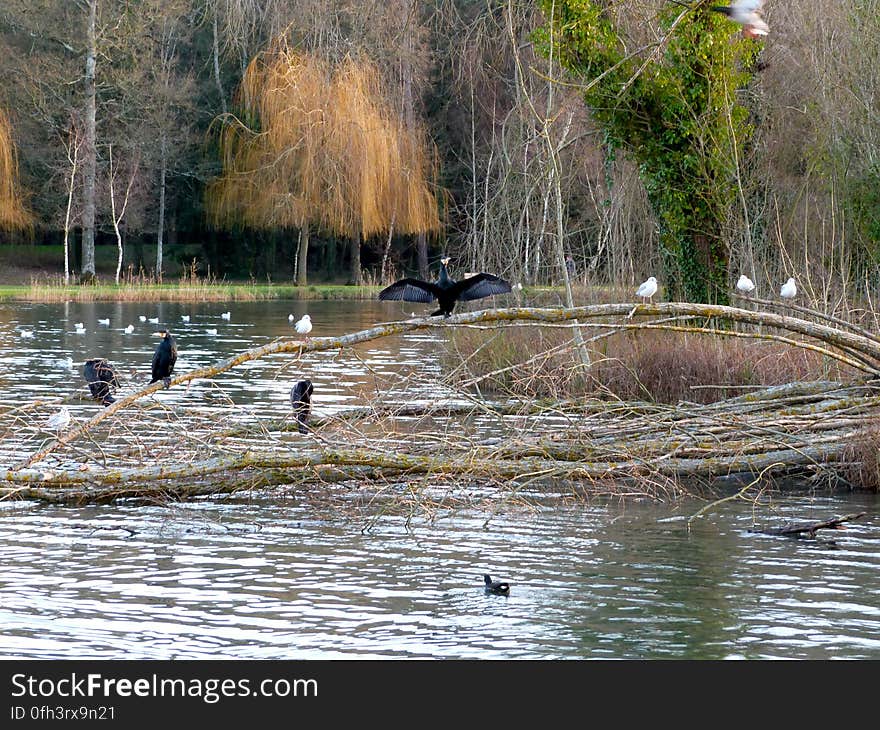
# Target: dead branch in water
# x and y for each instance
(799, 428)
(809, 529)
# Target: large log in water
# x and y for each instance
(801, 428)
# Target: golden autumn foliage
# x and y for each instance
(13, 213)
(320, 145)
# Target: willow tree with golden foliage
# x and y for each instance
(316, 145)
(13, 213)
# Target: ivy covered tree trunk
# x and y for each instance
(672, 109)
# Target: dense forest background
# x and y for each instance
(521, 172)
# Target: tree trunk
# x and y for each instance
(422, 250)
(216, 58)
(73, 165)
(162, 169)
(356, 259)
(90, 152)
(302, 259)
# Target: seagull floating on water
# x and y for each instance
(745, 285)
(80, 328)
(142, 318)
(499, 588)
(748, 14)
(105, 322)
(226, 315)
(210, 331)
(128, 330)
(647, 289)
(304, 325)
(290, 318)
(184, 317)
(59, 421)
(27, 333)
(789, 289)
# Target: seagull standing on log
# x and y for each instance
(745, 285)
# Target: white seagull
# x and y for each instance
(748, 14)
(27, 333)
(142, 318)
(226, 315)
(304, 325)
(647, 289)
(128, 330)
(80, 328)
(745, 284)
(184, 317)
(789, 289)
(59, 421)
(105, 322)
(154, 320)
(210, 332)
(290, 318)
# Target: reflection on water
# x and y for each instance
(284, 577)
(270, 578)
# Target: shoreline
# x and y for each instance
(183, 291)
(197, 291)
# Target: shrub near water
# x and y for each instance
(664, 367)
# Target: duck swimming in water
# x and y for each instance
(499, 588)
(445, 290)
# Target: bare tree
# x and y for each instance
(117, 219)
(73, 143)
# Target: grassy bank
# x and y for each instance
(187, 291)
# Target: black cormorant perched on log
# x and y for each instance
(445, 290)
(164, 358)
(301, 400)
(496, 586)
(101, 378)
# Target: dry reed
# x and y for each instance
(662, 367)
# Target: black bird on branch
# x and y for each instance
(164, 358)
(301, 400)
(445, 290)
(497, 587)
(101, 378)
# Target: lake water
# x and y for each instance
(286, 575)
